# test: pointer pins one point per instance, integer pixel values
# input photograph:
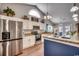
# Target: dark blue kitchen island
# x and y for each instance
(53, 48)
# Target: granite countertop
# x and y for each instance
(60, 38)
(46, 33)
(28, 34)
(64, 39)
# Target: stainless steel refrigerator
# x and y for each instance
(13, 45)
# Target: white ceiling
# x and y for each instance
(59, 11)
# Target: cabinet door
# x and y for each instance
(31, 40)
(28, 41)
(25, 42)
(25, 24)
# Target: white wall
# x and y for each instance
(19, 8)
(23, 9)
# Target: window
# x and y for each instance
(42, 21)
(36, 28)
(25, 17)
(49, 28)
(34, 19)
(60, 30)
(64, 30)
(34, 13)
(67, 30)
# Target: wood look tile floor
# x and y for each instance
(37, 50)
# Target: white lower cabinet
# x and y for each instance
(28, 41)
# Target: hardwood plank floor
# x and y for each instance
(37, 50)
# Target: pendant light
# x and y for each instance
(47, 16)
(74, 8)
(75, 14)
(75, 19)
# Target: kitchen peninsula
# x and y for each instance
(59, 46)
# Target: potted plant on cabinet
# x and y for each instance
(8, 12)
